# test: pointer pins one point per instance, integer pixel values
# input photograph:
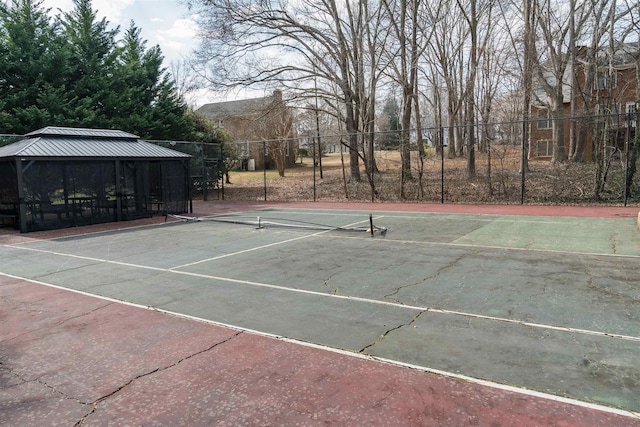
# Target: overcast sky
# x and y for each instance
(163, 22)
(166, 23)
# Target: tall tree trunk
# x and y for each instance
(527, 78)
(451, 131)
(354, 162)
(557, 120)
(574, 83)
(470, 95)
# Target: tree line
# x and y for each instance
(456, 64)
(73, 70)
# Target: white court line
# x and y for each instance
(453, 244)
(471, 245)
(462, 216)
(349, 298)
(481, 382)
(264, 246)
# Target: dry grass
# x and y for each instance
(546, 183)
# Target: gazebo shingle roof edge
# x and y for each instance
(61, 142)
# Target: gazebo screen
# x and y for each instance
(8, 194)
(67, 193)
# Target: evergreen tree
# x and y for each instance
(390, 125)
(146, 102)
(72, 72)
(33, 58)
(93, 58)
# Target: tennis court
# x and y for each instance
(539, 303)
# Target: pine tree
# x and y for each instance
(147, 103)
(390, 139)
(73, 72)
(32, 68)
(93, 57)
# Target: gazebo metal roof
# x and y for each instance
(61, 142)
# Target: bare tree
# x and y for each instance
(632, 9)
(586, 61)
(495, 74)
(276, 129)
(527, 76)
(185, 80)
(469, 96)
(555, 22)
(253, 43)
(447, 51)
(411, 39)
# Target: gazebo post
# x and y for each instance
(118, 192)
(22, 211)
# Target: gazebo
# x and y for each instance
(61, 177)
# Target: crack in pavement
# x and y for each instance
(325, 283)
(95, 403)
(384, 335)
(391, 295)
(64, 270)
(7, 369)
(49, 327)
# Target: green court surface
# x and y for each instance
(540, 303)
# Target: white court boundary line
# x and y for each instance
(461, 216)
(306, 236)
(485, 383)
(505, 218)
(510, 248)
(380, 240)
(419, 242)
(346, 297)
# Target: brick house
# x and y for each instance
(257, 125)
(612, 95)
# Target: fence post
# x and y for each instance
(523, 161)
(314, 168)
(442, 145)
(627, 152)
(372, 168)
(204, 175)
(264, 167)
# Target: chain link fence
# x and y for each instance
(207, 166)
(595, 163)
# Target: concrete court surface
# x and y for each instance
(73, 358)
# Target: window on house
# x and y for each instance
(543, 148)
(605, 80)
(544, 120)
(286, 148)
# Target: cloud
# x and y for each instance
(166, 23)
(113, 10)
(54, 5)
(179, 37)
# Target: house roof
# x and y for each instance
(60, 142)
(243, 107)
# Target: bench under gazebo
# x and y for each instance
(61, 177)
